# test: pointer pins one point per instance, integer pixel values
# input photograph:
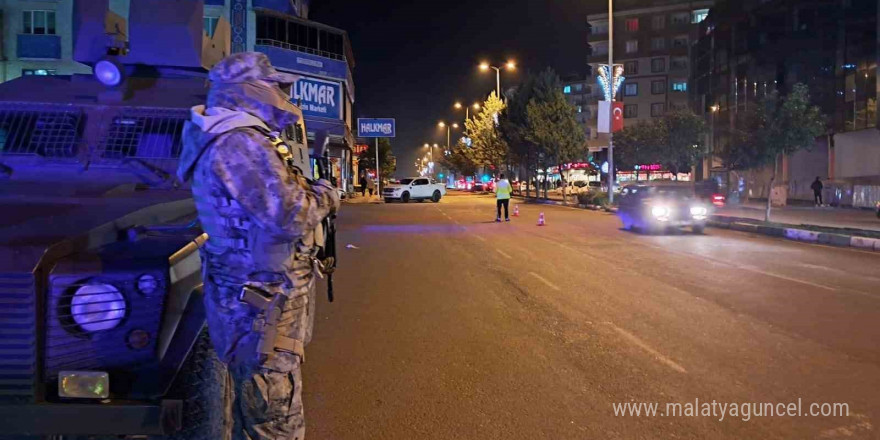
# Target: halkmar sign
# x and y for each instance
(318, 97)
(376, 127)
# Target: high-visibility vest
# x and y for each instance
(502, 190)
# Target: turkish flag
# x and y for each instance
(617, 121)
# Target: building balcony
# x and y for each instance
(38, 46)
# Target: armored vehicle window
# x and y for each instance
(152, 136)
(42, 133)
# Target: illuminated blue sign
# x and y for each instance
(382, 127)
(319, 98)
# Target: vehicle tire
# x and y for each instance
(404, 197)
(436, 196)
(698, 229)
(202, 386)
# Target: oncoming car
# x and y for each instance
(657, 207)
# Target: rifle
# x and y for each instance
(327, 255)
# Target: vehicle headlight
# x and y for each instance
(147, 284)
(699, 211)
(660, 211)
(97, 307)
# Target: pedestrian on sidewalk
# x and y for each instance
(363, 182)
(502, 198)
(817, 191)
(371, 185)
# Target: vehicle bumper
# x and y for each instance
(115, 418)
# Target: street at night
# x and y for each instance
(453, 326)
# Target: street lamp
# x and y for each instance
(714, 109)
(467, 109)
(448, 128)
(510, 65)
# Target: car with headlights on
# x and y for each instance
(656, 208)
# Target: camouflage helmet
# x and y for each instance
(245, 67)
(247, 82)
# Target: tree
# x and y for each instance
(490, 149)
(460, 159)
(673, 140)
(367, 158)
(552, 123)
(774, 127)
(514, 127)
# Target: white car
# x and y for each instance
(414, 188)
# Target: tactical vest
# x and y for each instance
(237, 248)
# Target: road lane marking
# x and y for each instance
(504, 254)
(641, 344)
(545, 281)
(480, 238)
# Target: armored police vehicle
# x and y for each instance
(101, 317)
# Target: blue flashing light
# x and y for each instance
(485, 177)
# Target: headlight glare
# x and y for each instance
(660, 211)
(699, 211)
(97, 307)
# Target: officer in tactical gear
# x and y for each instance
(263, 213)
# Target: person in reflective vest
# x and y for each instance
(502, 198)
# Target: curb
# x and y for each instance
(803, 235)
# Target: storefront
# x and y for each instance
(648, 173)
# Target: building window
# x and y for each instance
(658, 22)
(658, 87)
(679, 86)
(38, 22)
(37, 72)
(630, 111)
(700, 15)
(632, 24)
(599, 49)
(681, 18)
(658, 43)
(631, 68)
(578, 88)
(566, 90)
(599, 28)
(680, 41)
(580, 109)
(632, 46)
(658, 65)
(657, 109)
(678, 63)
(631, 89)
(210, 25)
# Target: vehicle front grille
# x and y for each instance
(17, 337)
(389, 190)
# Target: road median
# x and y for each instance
(842, 237)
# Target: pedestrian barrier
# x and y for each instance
(541, 219)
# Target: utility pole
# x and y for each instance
(378, 173)
(611, 102)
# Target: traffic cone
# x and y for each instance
(541, 219)
(516, 210)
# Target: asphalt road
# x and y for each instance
(450, 326)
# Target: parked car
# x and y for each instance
(414, 188)
(659, 207)
(478, 187)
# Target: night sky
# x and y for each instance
(414, 59)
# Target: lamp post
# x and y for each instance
(467, 109)
(714, 109)
(611, 102)
(510, 65)
(448, 128)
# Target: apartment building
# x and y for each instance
(653, 44)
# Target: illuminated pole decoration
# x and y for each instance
(610, 87)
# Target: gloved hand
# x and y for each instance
(328, 194)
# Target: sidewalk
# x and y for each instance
(357, 199)
(844, 218)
